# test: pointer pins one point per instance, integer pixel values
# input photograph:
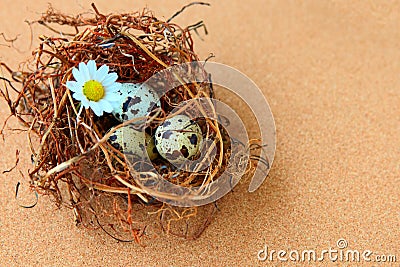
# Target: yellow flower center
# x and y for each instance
(93, 90)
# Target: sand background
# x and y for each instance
(331, 73)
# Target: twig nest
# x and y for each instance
(178, 139)
(133, 142)
(102, 68)
(136, 100)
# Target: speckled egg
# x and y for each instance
(137, 100)
(132, 142)
(178, 139)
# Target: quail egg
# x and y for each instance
(137, 100)
(178, 139)
(132, 142)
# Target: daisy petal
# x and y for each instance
(85, 103)
(115, 88)
(77, 75)
(113, 96)
(110, 79)
(96, 108)
(115, 105)
(73, 86)
(83, 69)
(102, 73)
(92, 68)
(80, 97)
(105, 105)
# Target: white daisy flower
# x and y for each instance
(95, 88)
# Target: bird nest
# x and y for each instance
(73, 160)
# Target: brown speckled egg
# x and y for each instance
(132, 142)
(137, 100)
(178, 139)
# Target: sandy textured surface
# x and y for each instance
(331, 73)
